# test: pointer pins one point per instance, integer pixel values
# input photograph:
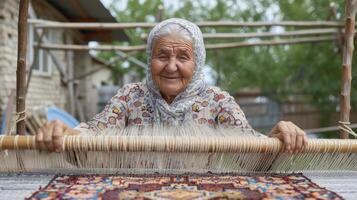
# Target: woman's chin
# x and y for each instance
(171, 90)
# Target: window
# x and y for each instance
(42, 62)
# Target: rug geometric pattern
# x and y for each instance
(183, 187)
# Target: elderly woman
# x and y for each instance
(174, 93)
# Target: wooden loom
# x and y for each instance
(192, 151)
(188, 148)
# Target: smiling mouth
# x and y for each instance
(170, 77)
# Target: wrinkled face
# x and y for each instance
(172, 65)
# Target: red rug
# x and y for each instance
(183, 187)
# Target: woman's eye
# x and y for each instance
(183, 57)
(162, 57)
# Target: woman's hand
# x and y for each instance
(292, 136)
(50, 136)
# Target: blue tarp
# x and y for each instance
(52, 114)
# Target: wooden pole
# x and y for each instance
(21, 67)
(208, 46)
(84, 75)
(70, 75)
(94, 25)
(137, 62)
(305, 32)
(271, 42)
(345, 104)
(327, 129)
(75, 47)
(326, 31)
(160, 13)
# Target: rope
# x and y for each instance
(344, 126)
(18, 116)
(18, 119)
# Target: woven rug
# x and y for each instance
(183, 187)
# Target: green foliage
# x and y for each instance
(135, 12)
(279, 71)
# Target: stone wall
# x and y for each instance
(46, 89)
(43, 89)
(8, 48)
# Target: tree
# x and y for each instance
(313, 70)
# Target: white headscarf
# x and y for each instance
(179, 110)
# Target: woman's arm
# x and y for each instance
(50, 136)
(230, 114)
(113, 115)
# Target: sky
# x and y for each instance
(174, 4)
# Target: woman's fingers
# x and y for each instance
(299, 142)
(301, 138)
(57, 137)
(305, 140)
(48, 136)
(39, 138)
(297, 138)
(287, 142)
(293, 137)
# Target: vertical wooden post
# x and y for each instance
(21, 67)
(345, 104)
(70, 79)
(160, 14)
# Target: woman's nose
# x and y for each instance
(171, 65)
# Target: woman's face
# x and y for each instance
(172, 65)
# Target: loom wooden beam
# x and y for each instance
(345, 104)
(180, 144)
(21, 67)
(93, 25)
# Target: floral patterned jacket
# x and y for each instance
(128, 107)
